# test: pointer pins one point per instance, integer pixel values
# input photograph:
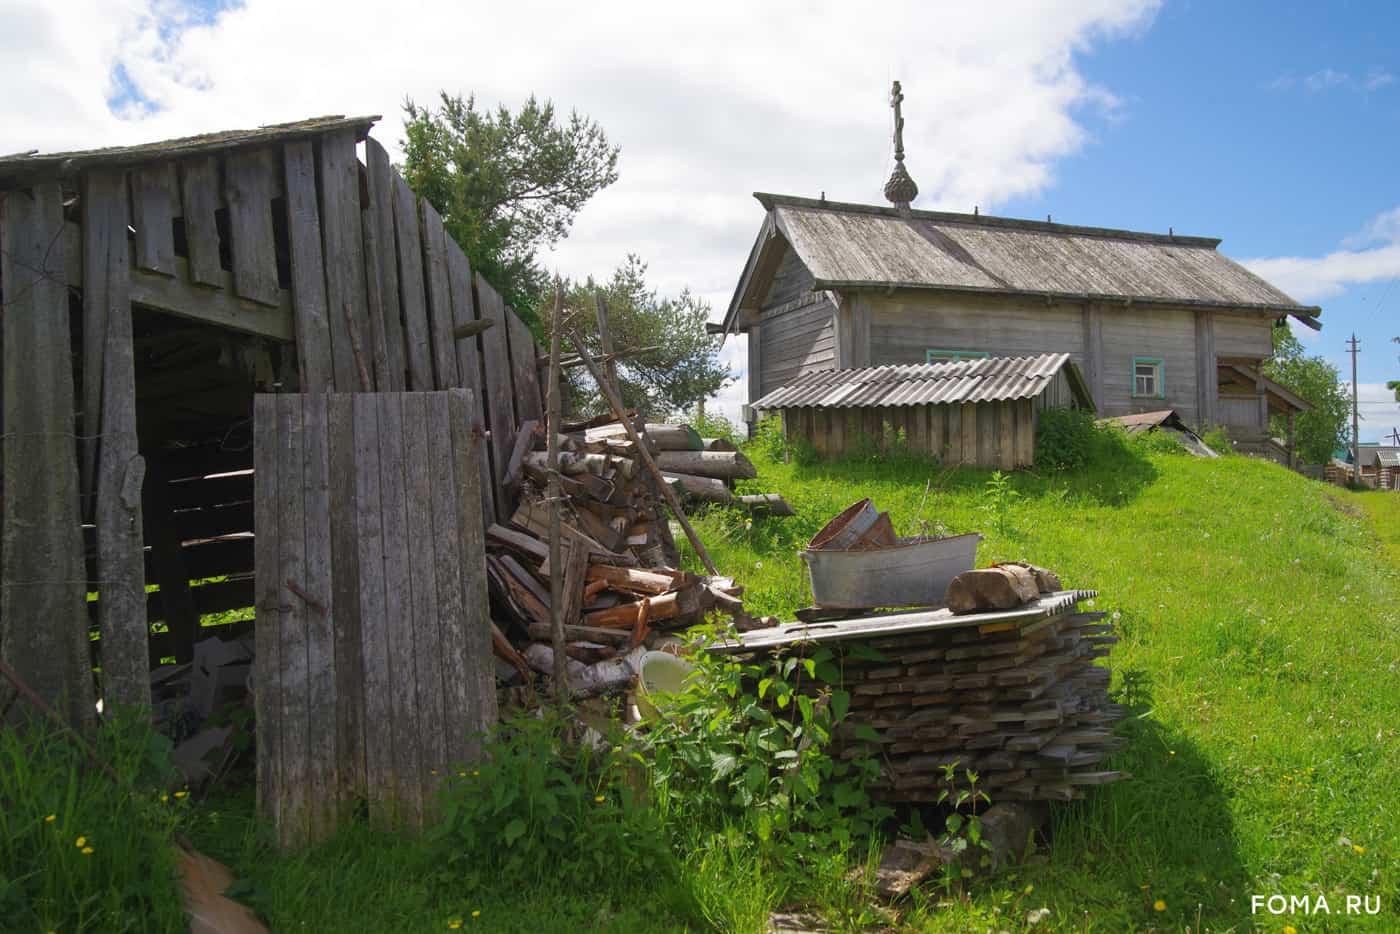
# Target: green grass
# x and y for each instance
(1258, 614)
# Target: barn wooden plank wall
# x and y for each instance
(981, 434)
(290, 239)
(373, 636)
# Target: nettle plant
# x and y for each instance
(748, 742)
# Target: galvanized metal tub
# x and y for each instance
(915, 572)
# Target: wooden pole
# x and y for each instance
(556, 567)
(1353, 347)
(671, 499)
(605, 341)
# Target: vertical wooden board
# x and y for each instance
(320, 638)
(388, 375)
(199, 196)
(1025, 432)
(398, 609)
(101, 235)
(987, 413)
(916, 428)
(248, 188)
(422, 570)
(464, 311)
(295, 826)
(439, 299)
(382, 261)
(267, 629)
(954, 442)
(412, 289)
(468, 449)
(46, 633)
(836, 429)
(969, 433)
(121, 569)
(937, 431)
(525, 375)
(1006, 433)
(496, 367)
(153, 199)
(451, 655)
(314, 352)
(374, 695)
(350, 679)
(342, 244)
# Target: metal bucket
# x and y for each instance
(915, 572)
(847, 528)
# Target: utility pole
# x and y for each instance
(1353, 347)
(1395, 436)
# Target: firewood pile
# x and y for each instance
(1019, 702)
(621, 591)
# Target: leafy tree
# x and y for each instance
(684, 366)
(506, 184)
(1320, 432)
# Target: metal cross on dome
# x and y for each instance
(900, 189)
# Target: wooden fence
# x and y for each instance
(374, 671)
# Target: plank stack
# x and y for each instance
(1019, 702)
(619, 560)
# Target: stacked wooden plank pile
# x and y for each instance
(1019, 702)
(619, 579)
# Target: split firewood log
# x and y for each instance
(726, 465)
(998, 588)
(710, 489)
(1045, 579)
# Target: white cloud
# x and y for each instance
(1370, 255)
(1327, 79)
(709, 102)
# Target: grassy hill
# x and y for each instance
(1258, 614)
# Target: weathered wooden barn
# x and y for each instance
(1154, 321)
(149, 294)
(979, 412)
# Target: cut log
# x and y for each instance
(590, 653)
(539, 632)
(610, 677)
(717, 444)
(999, 588)
(636, 580)
(572, 463)
(772, 504)
(674, 438)
(726, 465)
(683, 605)
(1045, 579)
(708, 489)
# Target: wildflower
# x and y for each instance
(1358, 848)
(164, 797)
(87, 851)
(1159, 905)
(455, 923)
(1289, 929)
(1038, 915)
(51, 818)
(80, 842)
(758, 565)
(1030, 887)
(181, 794)
(461, 774)
(475, 773)
(598, 799)
(476, 914)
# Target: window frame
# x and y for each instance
(1159, 378)
(953, 356)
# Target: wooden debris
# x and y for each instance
(1003, 587)
(771, 504)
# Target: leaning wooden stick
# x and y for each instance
(556, 568)
(671, 499)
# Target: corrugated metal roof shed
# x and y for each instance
(31, 165)
(992, 379)
(854, 246)
(1388, 458)
(1385, 455)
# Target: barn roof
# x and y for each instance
(990, 379)
(1384, 455)
(857, 246)
(27, 166)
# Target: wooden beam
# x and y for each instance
(313, 326)
(249, 183)
(381, 263)
(121, 471)
(342, 239)
(43, 607)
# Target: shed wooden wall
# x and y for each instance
(796, 339)
(974, 434)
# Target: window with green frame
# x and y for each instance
(953, 356)
(1149, 380)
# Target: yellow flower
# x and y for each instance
(455, 923)
(599, 799)
(1159, 905)
(1358, 848)
(461, 774)
(80, 842)
(181, 794)
(87, 851)
(476, 914)
(475, 773)
(1289, 929)
(51, 818)
(164, 796)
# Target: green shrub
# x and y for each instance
(1157, 442)
(717, 426)
(1218, 440)
(541, 804)
(1064, 438)
(768, 440)
(79, 849)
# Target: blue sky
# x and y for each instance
(1271, 126)
(1275, 127)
